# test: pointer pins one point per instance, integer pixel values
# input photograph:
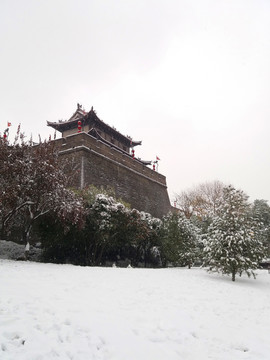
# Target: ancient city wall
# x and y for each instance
(102, 165)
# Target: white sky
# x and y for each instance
(191, 79)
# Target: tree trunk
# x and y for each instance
(233, 275)
(3, 232)
(99, 258)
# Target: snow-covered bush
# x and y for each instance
(111, 232)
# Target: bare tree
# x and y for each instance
(202, 200)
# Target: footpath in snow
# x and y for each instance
(69, 312)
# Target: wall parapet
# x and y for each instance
(87, 142)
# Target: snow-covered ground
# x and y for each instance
(66, 312)
(12, 251)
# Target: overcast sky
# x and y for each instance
(191, 79)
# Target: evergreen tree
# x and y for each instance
(142, 233)
(261, 212)
(233, 244)
(179, 240)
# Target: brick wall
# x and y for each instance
(102, 165)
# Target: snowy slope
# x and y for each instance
(65, 312)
